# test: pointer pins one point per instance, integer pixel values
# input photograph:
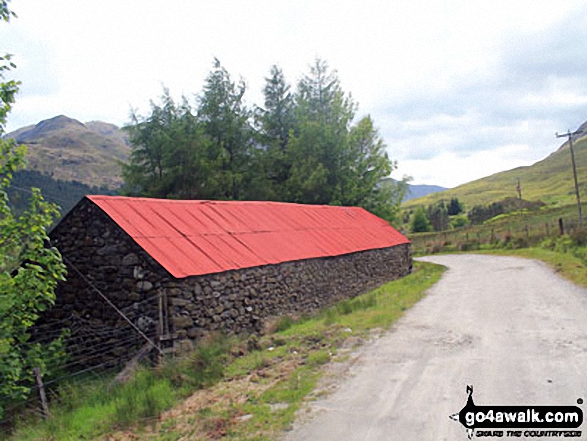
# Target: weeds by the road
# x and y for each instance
(245, 389)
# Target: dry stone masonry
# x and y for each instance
(238, 301)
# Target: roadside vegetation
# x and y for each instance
(550, 234)
(512, 230)
(229, 387)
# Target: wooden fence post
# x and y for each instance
(561, 227)
(42, 396)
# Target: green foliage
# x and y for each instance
(420, 222)
(459, 221)
(172, 156)
(438, 216)
(29, 269)
(275, 122)
(225, 120)
(63, 193)
(319, 358)
(479, 214)
(202, 367)
(574, 244)
(300, 147)
(146, 396)
(454, 207)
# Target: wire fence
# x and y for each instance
(92, 349)
(514, 233)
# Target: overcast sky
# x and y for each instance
(458, 89)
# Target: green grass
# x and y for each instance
(267, 385)
(90, 409)
(309, 344)
(513, 231)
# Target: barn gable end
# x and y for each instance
(174, 297)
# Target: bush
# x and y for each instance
(459, 221)
(420, 222)
(579, 236)
(469, 246)
(284, 323)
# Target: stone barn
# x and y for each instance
(185, 268)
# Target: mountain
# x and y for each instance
(68, 150)
(549, 180)
(418, 191)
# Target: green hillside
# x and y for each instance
(549, 180)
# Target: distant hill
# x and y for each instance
(68, 150)
(418, 191)
(549, 180)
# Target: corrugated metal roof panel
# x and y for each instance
(190, 238)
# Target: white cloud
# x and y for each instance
(449, 169)
(447, 82)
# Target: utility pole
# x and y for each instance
(519, 189)
(570, 135)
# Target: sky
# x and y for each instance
(459, 90)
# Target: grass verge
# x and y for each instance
(244, 389)
(568, 266)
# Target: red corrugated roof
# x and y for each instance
(190, 238)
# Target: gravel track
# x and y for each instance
(510, 327)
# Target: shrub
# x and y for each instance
(579, 236)
(469, 246)
(283, 323)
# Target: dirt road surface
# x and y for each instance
(510, 327)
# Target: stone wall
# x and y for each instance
(241, 301)
(233, 301)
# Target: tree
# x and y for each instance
(438, 216)
(319, 143)
(172, 157)
(225, 119)
(454, 207)
(29, 269)
(420, 222)
(334, 161)
(277, 118)
(300, 147)
(367, 183)
(275, 122)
